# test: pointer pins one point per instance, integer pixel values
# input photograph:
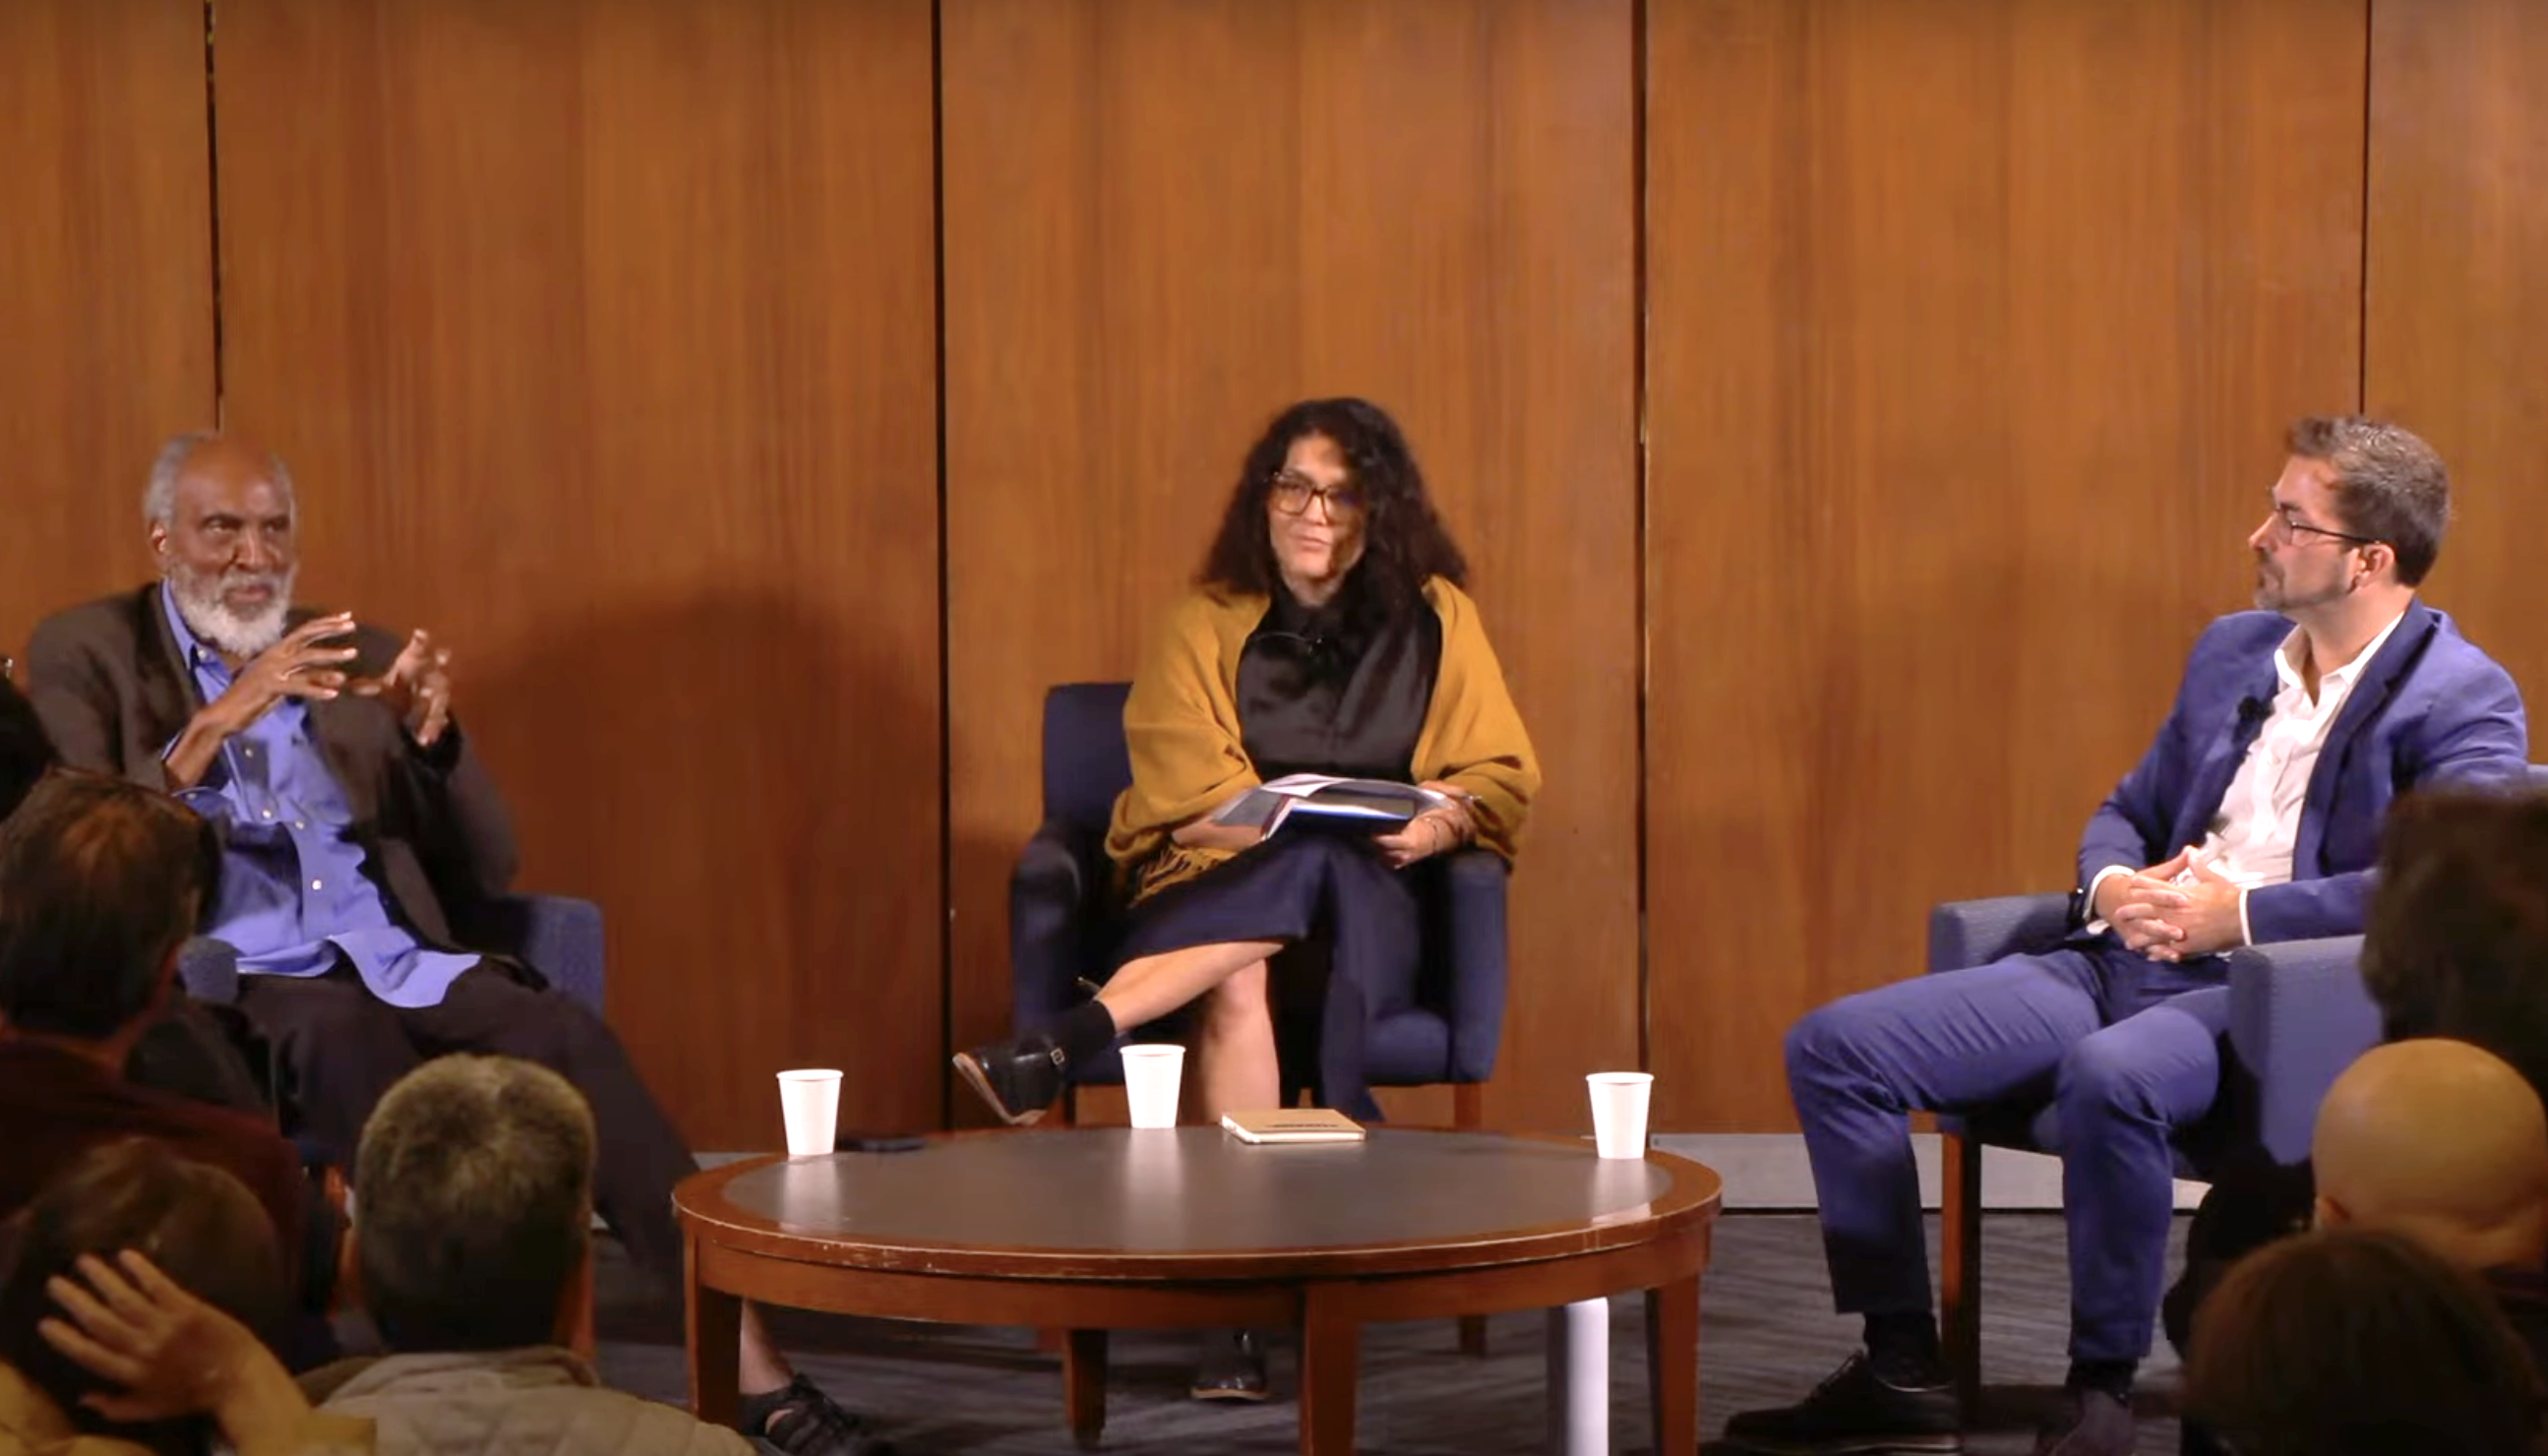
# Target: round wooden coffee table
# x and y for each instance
(1092, 1229)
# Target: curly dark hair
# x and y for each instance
(1404, 541)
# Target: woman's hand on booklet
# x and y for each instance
(1433, 832)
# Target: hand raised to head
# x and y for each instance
(171, 1354)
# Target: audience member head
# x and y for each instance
(199, 1224)
(2456, 942)
(477, 1185)
(220, 516)
(25, 750)
(2347, 1342)
(1332, 490)
(100, 883)
(2440, 1141)
(2384, 483)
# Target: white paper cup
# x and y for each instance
(810, 1100)
(1152, 1071)
(1619, 1112)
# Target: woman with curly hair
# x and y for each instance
(1327, 633)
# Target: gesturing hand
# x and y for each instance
(416, 687)
(304, 664)
(171, 1354)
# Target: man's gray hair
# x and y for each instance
(475, 1179)
(160, 498)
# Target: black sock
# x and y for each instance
(1084, 1030)
(1903, 1348)
(2114, 1377)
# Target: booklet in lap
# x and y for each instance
(1344, 805)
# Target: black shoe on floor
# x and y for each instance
(2092, 1422)
(1854, 1412)
(1018, 1079)
(1232, 1368)
(798, 1419)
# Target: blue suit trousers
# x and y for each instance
(2128, 1049)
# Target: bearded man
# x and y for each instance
(360, 839)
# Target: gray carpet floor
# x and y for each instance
(1767, 1335)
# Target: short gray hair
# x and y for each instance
(160, 498)
(476, 1180)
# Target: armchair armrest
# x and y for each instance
(1053, 896)
(1969, 932)
(554, 935)
(2297, 1017)
(1473, 885)
(208, 970)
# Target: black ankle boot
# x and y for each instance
(1018, 1079)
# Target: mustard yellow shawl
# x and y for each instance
(1182, 725)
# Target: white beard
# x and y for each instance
(198, 601)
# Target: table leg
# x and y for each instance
(714, 1334)
(1672, 1363)
(1330, 1359)
(1083, 1385)
(1579, 1378)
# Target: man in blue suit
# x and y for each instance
(2253, 817)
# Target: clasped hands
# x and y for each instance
(309, 664)
(2173, 910)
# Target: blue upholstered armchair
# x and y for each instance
(2297, 1017)
(1062, 924)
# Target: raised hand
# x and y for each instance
(305, 663)
(416, 687)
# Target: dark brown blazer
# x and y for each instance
(114, 693)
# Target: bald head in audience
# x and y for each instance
(2443, 1142)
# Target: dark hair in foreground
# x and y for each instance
(199, 1224)
(25, 751)
(2388, 485)
(1404, 541)
(477, 1183)
(2344, 1343)
(100, 881)
(2456, 942)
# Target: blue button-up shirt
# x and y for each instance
(293, 893)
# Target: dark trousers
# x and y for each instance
(339, 1049)
(2129, 1050)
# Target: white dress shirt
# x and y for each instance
(2260, 820)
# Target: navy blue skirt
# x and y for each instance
(1340, 909)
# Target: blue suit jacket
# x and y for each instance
(2429, 709)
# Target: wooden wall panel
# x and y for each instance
(106, 285)
(1974, 328)
(601, 336)
(1165, 221)
(2454, 309)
